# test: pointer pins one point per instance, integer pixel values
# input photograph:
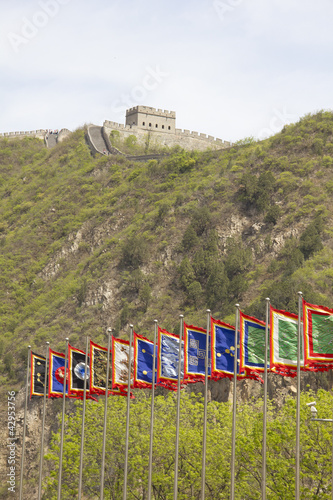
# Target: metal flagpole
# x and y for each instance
(264, 431)
(298, 400)
(175, 483)
(204, 435)
(43, 426)
(128, 411)
(234, 406)
(105, 414)
(150, 472)
(24, 423)
(86, 375)
(63, 421)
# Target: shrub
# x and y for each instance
(194, 293)
(273, 214)
(310, 240)
(238, 259)
(186, 273)
(327, 161)
(201, 220)
(145, 295)
(134, 251)
(291, 256)
(217, 286)
(190, 238)
(317, 146)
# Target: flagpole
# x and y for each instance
(175, 484)
(150, 469)
(43, 426)
(128, 411)
(83, 418)
(24, 424)
(204, 435)
(105, 414)
(298, 400)
(63, 421)
(234, 406)
(264, 432)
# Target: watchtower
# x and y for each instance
(152, 119)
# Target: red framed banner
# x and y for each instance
(38, 375)
(195, 339)
(143, 362)
(98, 365)
(77, 373)
(283, 343)
(318, 336)
(168, 359)
(120, 358)
(252, 344)
(57, 374)
(223, 351)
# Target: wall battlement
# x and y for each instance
(35, 133)
(158, 125)
(134, 129)
(151, 111)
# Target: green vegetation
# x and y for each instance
(88, 243)
(85, 241)
(130, 145)
(315, 457)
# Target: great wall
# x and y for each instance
(155, 127)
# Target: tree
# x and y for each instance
(134, 251)
(194, 293)
(145, 295)
(217, 286)
(186, 273)
(310, 240)
(315, 455)
(190, 238)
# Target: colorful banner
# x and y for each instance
(77, 359)
(195, 353)
(318, 336)
(143, 362)
(57, 374)
(252, 344)
(283, 343)
(37, 383)
(168, 358)
(223, 349)
(120, 358)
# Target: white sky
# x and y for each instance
(229, 68)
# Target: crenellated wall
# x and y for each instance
(40, 134)
(155, 126)
(185, 138)
(151, 111)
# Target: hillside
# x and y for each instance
(92, 242)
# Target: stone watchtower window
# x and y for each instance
(169, 127)
(149, 124)
(156, 125)
(143, 123)
(162, 126)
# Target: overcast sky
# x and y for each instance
(229, 68)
